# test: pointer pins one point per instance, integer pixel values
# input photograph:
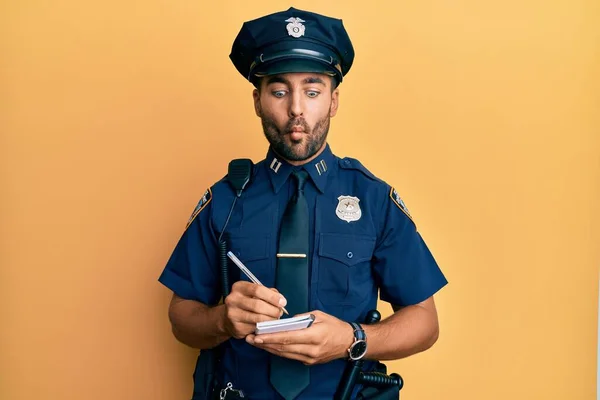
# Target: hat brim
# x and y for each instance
(294, 65)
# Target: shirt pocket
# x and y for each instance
(345, 276)
(253, 252)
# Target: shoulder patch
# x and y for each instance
(398, 201)
(206, 198)
(352, 163)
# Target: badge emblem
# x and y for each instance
(295, 27)
(348, 209)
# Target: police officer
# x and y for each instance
(322, 233)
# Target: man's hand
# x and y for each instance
(328, 338)
(249, 303)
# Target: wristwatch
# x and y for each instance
(358, 349)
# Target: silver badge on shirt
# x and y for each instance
(348, 208)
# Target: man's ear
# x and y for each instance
(335, 102)
(256, 97)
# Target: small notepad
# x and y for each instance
(285, 324)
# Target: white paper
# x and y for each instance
(285, 324)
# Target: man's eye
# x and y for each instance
(312, 93)
(279, 93)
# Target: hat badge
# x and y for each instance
(295, 27)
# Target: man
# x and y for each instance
(321, 233)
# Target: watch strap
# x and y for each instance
(359, 333)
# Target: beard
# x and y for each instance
(296, 150)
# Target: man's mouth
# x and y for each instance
(296, 133)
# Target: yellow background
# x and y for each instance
(116, 115)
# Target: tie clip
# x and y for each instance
(290, 255)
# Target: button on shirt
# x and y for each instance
(361, 240)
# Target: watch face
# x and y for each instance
(358, 349)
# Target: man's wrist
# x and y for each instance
(221, 321)
(358, 348)
(348, 339)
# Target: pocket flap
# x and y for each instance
(347, 249)
(250, 248)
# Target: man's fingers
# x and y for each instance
(268, 295)
(301, 336)
(298, 349)
(246, 297)
(252, 317)
(260, 307)
(300, 354)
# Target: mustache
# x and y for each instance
(295, 123)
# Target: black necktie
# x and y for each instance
(290, 377)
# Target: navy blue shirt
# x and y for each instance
(362, 239)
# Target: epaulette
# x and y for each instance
(353, 163)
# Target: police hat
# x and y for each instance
(292, 41)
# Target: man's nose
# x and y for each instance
(296, 105)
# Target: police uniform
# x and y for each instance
(362, 237)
